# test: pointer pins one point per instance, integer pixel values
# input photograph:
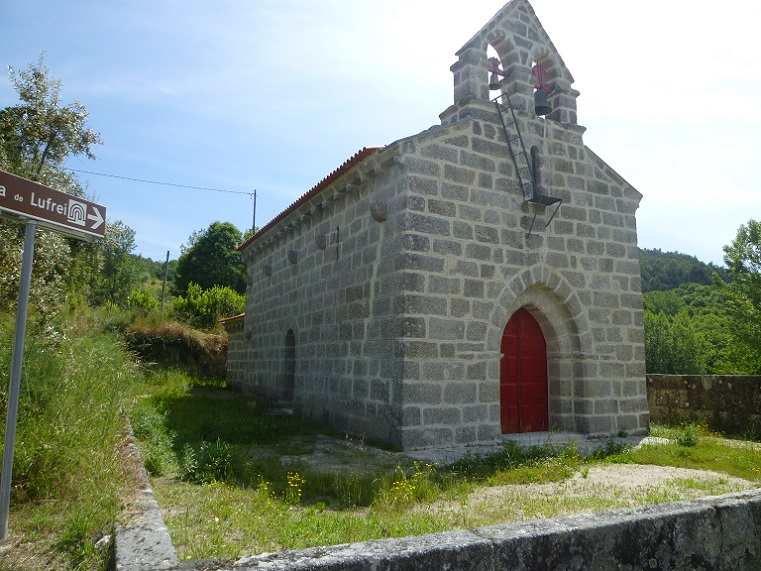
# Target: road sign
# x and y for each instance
(53, 209)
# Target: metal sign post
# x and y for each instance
(13, 394)
(33, 203)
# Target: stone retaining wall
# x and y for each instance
(720, 533)
(731, 404)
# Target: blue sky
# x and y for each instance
(272, 95)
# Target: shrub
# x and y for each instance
(214, 462)
(204, 308)
(142, 300)
(149, 426)
(687, 435)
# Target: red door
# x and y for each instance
(523, 376)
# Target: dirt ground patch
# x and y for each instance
(627, 484)
(622, 483)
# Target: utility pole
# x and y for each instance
(253, 225)
(163, 287)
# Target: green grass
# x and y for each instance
(700, 450)
(258, 504)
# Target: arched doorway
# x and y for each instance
(289, 378)
(523, 387)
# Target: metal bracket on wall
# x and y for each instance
(543, 201)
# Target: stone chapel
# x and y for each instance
(477, 279)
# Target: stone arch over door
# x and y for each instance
(563, 323)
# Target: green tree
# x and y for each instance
(52, 256)
(743, 293)
(39, 134)
(668, 270)
(119, 273)
(36, 136)
(211, 258)
(668, 302)
(690, 328)
(204, 308)
(672, 346)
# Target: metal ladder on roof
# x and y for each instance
(523, 165)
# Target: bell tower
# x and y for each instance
(525, 58)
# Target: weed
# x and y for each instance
(407, 488)
(480, 466)
(293, 491)
(751, 434)
(687, 435)
(188, 464)
(149, 427)
(214, 462)
(611, 449)
(159, 458)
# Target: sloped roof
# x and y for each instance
(232, 318)
(351, 162)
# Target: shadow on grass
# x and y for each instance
(222, 435)
(208, 412)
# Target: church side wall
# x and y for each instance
(329, 279)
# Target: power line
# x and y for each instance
(164, 183)
(250, 194)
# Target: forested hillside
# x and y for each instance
(695, 323)
(667, 270)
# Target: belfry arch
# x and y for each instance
(516, 59)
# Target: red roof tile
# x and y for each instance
(233, 318)
(312, 192)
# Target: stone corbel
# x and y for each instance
(379, 211)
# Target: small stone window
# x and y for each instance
(333, 245)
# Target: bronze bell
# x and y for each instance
(541, 103)
(494, 81)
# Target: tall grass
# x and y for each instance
(67, 469)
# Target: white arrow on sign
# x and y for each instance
(97, 218)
